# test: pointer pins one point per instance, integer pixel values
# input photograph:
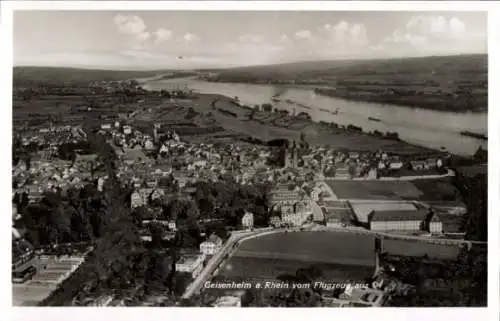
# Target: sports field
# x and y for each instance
(341, 255)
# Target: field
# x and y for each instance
(269, 256)
(374, 190)
(250, 268)
(452, 83)
(341, 255)
(431, 190)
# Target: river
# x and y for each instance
(428, 128)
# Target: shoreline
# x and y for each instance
(322, 126)
(318, 88)
(319, 125)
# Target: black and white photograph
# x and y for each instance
(249, 158)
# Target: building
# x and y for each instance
(342, 171)
(431, 163)
(336, 214)
(353, 155)
(106, 126)
(357, 296)
(211, 246)
(418, 165)
(293, 207)
(412, 221)
(85, 159)
(275, 221)
(451, 225)
(142, 196)
(136, 199)
(362, 209)
(103, 301)
(228, 301)
(190, 263)
(127, 129)
(396, 164)
(149, 144)
(315, 194)
(247, 220)
(435, 225)
(372, 174)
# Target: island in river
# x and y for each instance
(448, 83)
(432, 129)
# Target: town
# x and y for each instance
(125, 206)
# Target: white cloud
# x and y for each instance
(347, 34)
(401, 37)
(457, 27)
(251, 38)
(303, 34)
(436, 27)
(132, 26)
(189, 37)
(162, 35)
(437, 35)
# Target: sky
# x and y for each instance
(215, 39)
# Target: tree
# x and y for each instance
(302, 140)
(267, 107)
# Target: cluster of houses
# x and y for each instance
(114, 86)
(345, 165)
(56, 175)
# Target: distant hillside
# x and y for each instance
(354, 68)
(458, 83)
(23, 76)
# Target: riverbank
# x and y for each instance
(267, 126)
(448, 83)
(399, 97)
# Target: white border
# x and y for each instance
(63, 314)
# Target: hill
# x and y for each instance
(458, 83)
(23, 76)
(311, 70)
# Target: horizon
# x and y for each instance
(243, 66)
(190, 40)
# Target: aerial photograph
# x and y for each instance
(249, 158)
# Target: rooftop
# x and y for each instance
(335, 214)
(189, 259)
(381, 216)
(362, 210)
(451, 223)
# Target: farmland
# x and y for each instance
(450, 83)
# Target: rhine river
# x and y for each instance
(428, 128)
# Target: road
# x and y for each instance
(219, 257)
(211, 266)
(231, 245)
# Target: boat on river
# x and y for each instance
(473, 135)
(373, 119)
